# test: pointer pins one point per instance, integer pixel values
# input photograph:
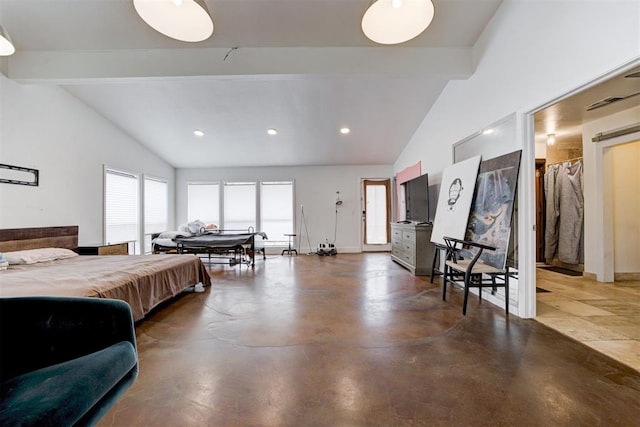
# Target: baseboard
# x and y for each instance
(590, 276)
(621, 277)
(557, 263)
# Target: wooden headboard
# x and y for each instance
(17, 239)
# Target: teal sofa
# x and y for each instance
(63, 361)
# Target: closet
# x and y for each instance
(560, 208)
(564, 212)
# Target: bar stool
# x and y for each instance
(290, 250)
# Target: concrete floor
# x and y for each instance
(355, 340)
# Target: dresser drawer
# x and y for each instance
(398, 252)
(408, 246)
(409, 236)
(396, 234)
(408, 257)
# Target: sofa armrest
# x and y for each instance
(41, 331)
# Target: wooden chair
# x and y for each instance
(472, 272)
(435, 264)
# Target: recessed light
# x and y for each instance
(488, 131)
(198, 132)
(272, 131)
(345, 130)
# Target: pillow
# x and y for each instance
(173, 234)
(32, 256)
(196, 227)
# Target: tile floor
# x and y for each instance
(603, 316)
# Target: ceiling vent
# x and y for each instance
(609, 100)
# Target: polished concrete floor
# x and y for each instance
(604, 316)
(355, 340)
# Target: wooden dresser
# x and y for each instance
(411, 247)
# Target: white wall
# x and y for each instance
(532, 52)
(45, 128)
(315, 189)
(598, 192)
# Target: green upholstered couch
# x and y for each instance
(63, 361)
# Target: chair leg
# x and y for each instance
(445, 278)
(506, 292)
(436, 251)
(466, 294)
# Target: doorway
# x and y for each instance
(376, 215)
(595, 307)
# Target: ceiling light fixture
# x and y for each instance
(397, 21)
(6, 45)
(272, 131)
(551, 139)
(198, 132)
(345, 130)
(184, 20)
(487, 131)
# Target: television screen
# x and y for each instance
(417, 199)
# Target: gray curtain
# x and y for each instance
(564, 229)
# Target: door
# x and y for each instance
(540, 210)
(376, 215)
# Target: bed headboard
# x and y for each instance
(17, 239)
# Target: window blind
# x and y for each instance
(203, 202)
(239, 205)
(121, 207)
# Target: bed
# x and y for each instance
(221, 246)
(143, 281)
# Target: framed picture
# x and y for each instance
(454, 200)
(492, 208)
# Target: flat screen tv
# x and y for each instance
(416, 193)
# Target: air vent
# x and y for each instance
(609, 100)
(633, 75)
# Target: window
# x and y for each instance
(155, 209)
(239, 205)
(276, 211)
(203, 202)
(121, 208)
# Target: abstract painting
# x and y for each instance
(492, 208)
(454, 200)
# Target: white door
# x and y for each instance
(376, 215)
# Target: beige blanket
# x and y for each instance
(143, 281)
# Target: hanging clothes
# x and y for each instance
(552, 212)
(571, 218)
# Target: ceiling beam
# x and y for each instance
(77, 66)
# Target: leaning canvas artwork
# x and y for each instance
(492, 207)
(454, 200)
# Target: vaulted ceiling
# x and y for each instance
(303, 67)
